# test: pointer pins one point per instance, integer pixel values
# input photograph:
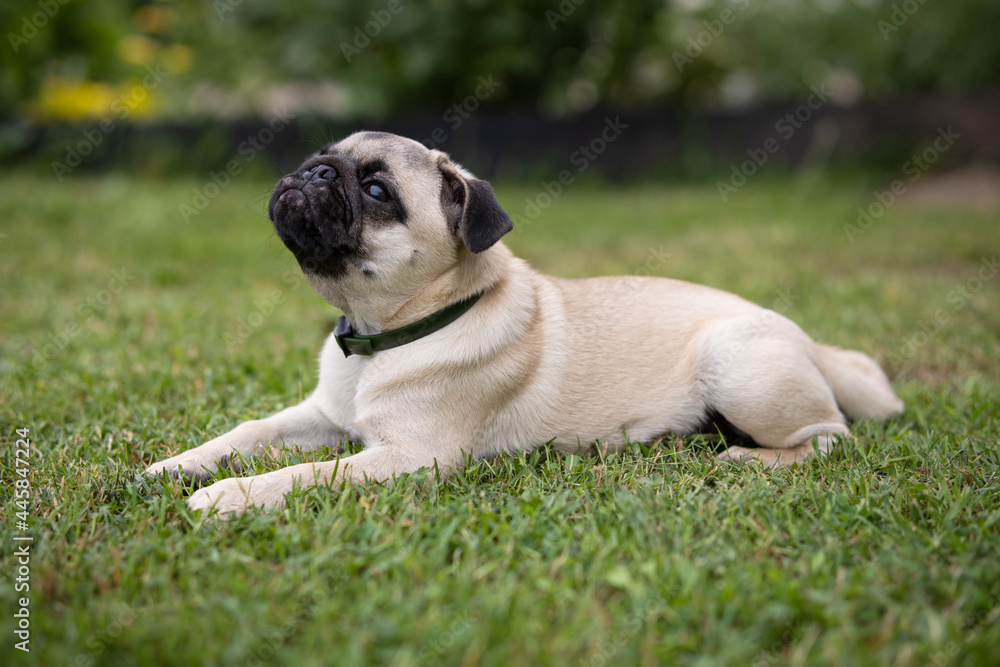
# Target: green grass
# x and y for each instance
(886, 552)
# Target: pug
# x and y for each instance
(450, 348)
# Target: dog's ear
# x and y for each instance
(472, 209)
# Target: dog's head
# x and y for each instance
(384, 209)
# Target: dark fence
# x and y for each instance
(617, 146)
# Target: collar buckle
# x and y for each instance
(349, 343)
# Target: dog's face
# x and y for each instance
(378, 212)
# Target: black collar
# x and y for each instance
(352, 343)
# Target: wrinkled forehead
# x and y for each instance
(393, 151)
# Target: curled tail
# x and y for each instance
(861, 388)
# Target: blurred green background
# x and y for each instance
(336, 65)
(67, 61)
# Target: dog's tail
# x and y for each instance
(861, 388)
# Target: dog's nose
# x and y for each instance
(318, 172)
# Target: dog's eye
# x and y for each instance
(376, 191)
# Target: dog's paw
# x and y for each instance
(226, 497)
(189, 465)
(738, 454)
(236, 494)
(770, 458)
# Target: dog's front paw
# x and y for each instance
(236, 494)
(190, 464)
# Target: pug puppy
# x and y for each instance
(451, 347)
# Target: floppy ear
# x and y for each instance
(472, 209)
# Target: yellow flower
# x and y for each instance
(72, 101)
(134, 100)
(81, 101)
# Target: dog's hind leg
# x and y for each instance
(774, 457)
(763, 378)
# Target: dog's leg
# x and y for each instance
(303, 426)
(378, 464)
(772, 390)
(773, 458)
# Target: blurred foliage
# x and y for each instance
(69, 61)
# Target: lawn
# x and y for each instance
(130, 334)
